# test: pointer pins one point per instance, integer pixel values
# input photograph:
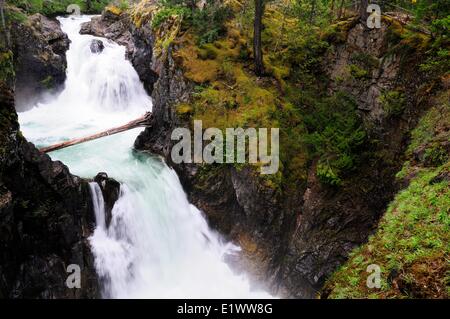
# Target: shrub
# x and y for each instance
(334, 135)
(162, 15)
(209, 22)
(393, 102)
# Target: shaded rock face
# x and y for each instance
(39, 47)
(46, 217)
(111, 191)
(97, 46)
(365, 50)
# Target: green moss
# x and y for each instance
(357, 72)
(48, 82)
(393, 102)
(164, 14)
(411, 244)
(432, 124)
(207, 52)
(413, 232)
(51, 8)
(6, 65)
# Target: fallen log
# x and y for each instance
(144, 121)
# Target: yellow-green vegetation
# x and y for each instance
(6, 65)
(411, 246)
(290, 96)
(142, 12)
(49, 8)
(228, 94)
(214, 48)
(412, 243)
(393, 102)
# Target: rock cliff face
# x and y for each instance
(46, 217)
(332, 221)
(39, 47)
(293, 241)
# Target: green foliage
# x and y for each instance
(208, 23)
(54, 7)
(162, 15)
(334, 135)
(6, 66)
(326, 174)
(357, 72)
(435, 155)
(413, 236)
(438, 56)
(123, 5)
(393, 102)
(15, 16)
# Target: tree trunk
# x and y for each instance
(257, 50)
(363, 11)
(332, 11)
(312, 14)
(340, 9)
(144, 121)
(5, 29)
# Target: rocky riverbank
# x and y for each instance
(46, 213)
(295, 228)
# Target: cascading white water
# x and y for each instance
(158, 245)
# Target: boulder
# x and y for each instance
(97, 46)
(111, 191)
(39, 47)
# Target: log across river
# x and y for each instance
(143, 121)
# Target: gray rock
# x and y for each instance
(39, 47)
(111, 191)
(97, 46)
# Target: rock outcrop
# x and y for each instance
(46, 217)
(39, 47)
(110, 190)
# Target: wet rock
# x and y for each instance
(39, 47)
(111, 191)
(97, 46)
(46, 218)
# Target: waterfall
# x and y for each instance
(98, 204)
(157, 245)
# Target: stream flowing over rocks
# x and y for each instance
(128, 222)
(149, 241)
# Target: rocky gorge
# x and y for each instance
(293, 238)
(296, 239)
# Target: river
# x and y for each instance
(158, 245)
